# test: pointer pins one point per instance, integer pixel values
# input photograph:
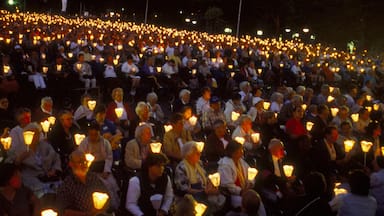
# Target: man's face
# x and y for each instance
(332, 137)
(247, 125)
(278, 151)
(118, 96)
(25, 118)
(48, 106)
(79, 165)
(221, 130)
(157, 170)
(67, 120)
(93, 135)
(146, 136)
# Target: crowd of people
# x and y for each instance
(171, 122)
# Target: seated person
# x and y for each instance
(83, 115)
(44, 111)
(251, 204)
(137, 150)
(153, 180)
(16, 199)
(84, 71)
(74, 196)
(245, 131)
(217, 142)
(40, 165)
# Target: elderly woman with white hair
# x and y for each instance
(40, 165)
(155, 110)
(182, 101)
(245, 92)
(245, 131)
(191, 178)
(277, 101)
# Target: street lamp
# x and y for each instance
(287, 30)
(259, 32)
(146, 13)
(187, 20)
(11, 2)
(238, 19)
(305, 30)
(194, 22)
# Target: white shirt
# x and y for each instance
(168, 69)
(134, 192)
(331, 150)
(201, 106)
(109, 72)
(121, 105)
(353, 205)
(130, 69)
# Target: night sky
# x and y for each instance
(333, 21)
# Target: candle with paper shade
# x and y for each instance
(288, 170)
(6, 69)
(6, 141)
(255, 137)
(89, 158)
(365, 146)
(45, 125)
(304, 107)
(215, 179)
(331, 89)
(348, 145)
(58, 68)
(49, 212)
(368, 97)
(382, 150)
(355, 117)
(193, 120)
(168, 128)
(156, 200)
(240, 140)
(45, 69)
(252, 173)
(158, 69)
(156, 147)
(119, 112)
(200, 146)
(52, 120)
(99, 200)
(70, 55)
(376, 107)
(194, 71)
(330, 99)
(339, 191)
(334, 111)
(200, 209)
(28, 137)
(309, 126)
(79, 138)
(266, 105)
(91, 104)
(235, 116)
(369, 108)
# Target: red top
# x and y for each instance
(294, 127)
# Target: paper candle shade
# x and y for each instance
(252, 173)
(49, 212)
(288, 170)
(334, 111)
(156, 201)
(215, 179)
(91, 104)
(6, 69)
(194, 71)
(348, 145)
(119, 112)
(304, 106)
(382, 150)
(309, 126)
(45, 126)
(376, 107)
(339, 191)
(355, 117)
(99, 200)
(79, 138)
(158, 69)
(168, 128)
(200, 146)
(365, 146)
(193, 120)
(240, 140)
(331, 89)
(266, 105)
(70, 55)
(369, 108)
(235, 116)
(28, 137)
(89, 158)
(59, 68)
(368, 97)
(200, 209)
(330, 99)
(230, 67)
(6, 141)
(45, 69)
(156, 147)
(255, 137)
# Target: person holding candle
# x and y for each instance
(155, 110)
(234, 171)
(294, 126)
(233, 105)
(191, 122)
(202, 103)
(100, 148)
(83, 115)
(84, 71)
(130, 70)
(217, 142)
(182, 101)
(15, 198)
(152, 181)
(346, 133)
(342, 116)
(40, 165)
(74, 196)
(212, 114)
(245, 130)
(23, 117)
(286, 110)
(44, 111)
(191, 178)
(364, 119)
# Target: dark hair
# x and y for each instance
(100, 109)
(94, 126)
(328, 130)
(7, 170)
(232, 147)
(321, 108)
(21, 110)
(205, 89)
(251, 202)
(236, 96)
(154, 159)
(372, 126)
(359, 182)
(380, 161)
(175, 118)
(315, 184)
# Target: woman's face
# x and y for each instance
(194, 157)
(237, 154)
(118, 96)
(187, 113)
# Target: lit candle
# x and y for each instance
(200, 146)
(79, 138)
(369, 108)
(158, 69)
(213, 60)
(382, 150)
(89, 158)
(252, 173)
(334, 111)
(368, 97)
(331, 89)
(340, 191)
(288, 170)
(70, 55)
(49, 212)
(59, 67)
(309, 125)
(240, 140)
(45, 125)
(200, 208)
(266, 105)
(355, 117)
(99, 200)
(168, 128)
(194, 71)
(52, 120)
(78, 66)
(255, 137)
(235, 116)
(6, 69)
(376, 107)
(28, 138)
(6, 141)
(215, 179)
(259, 71)
(156, 147)
(45, 69)
(119, 112)
(91, 104)
(43, 55)
(365, 146)
(330, 98)
(348, 145)
(230, 67)
(193, 120)
(304, 106)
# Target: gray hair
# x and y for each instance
(275, 142)
(45, 100)
(183, 92)
(243, 85)
(276, 95)
(244, 118)
(300, 90)
(139, 130)
(188, 148)
(140, 107)
(33, 126)
(151, 96)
